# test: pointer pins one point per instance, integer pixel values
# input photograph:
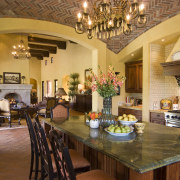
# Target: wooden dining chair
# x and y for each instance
(48, 165)
(65, 168)
(35, 154)
(60, 111)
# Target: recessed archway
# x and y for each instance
(98, 48)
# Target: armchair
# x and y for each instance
(5, 111)
(45, 111)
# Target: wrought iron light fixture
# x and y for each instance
(109, 18)
(20, 52)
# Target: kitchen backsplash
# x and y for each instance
(161, 86)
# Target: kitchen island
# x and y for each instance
(152, 155)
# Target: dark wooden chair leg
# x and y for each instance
(32, 162)
(36, 166)
(10, 122)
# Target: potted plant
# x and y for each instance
(73, 86)
(94, 119)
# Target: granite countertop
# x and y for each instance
(158, 146)
(132, 107)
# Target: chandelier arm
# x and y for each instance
(79, 32)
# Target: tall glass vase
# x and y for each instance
(107, 117)
(107, 106)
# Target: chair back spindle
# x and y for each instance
(62, 158)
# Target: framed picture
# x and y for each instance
(119, 89)
(88, 77)
(11, 78)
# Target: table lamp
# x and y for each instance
(61, 92)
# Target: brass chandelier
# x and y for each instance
(109, 18)
(20, 52)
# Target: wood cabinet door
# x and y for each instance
(140, 77)
(134, 73)
(131, 78)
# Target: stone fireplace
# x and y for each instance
(19, 92)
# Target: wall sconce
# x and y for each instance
(23, 78)
(51, 60)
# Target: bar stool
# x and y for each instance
(48, 164)
(64, 163)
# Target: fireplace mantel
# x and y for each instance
(24, 90)
(15, 86)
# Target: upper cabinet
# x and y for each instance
(134, 77)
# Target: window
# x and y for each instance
(55, 86)
(42, 89)
(49, 88)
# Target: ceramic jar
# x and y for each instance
(94, 123)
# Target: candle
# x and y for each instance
(89, 23)
(79, 17)
(85, 6)
(128, 17)
(141, 8)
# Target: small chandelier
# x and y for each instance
(109, 18)
(20, 52)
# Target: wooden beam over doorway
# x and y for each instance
(51, 49)
(59, 44)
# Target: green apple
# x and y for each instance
(112, 129)
(117, 130)
(123, 130)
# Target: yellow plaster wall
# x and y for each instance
(7, 62)
(35, 73)
(75, 59)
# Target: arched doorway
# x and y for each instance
(34, 98)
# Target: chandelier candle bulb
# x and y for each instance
(85, 6)
(79, 17)
(141, 9)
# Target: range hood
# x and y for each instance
(172, 69)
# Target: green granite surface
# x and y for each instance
(158, 146)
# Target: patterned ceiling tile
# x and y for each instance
(64, 12)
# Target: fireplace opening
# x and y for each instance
(13, 98)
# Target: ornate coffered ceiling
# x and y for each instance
(64, 12)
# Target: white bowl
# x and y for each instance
(128, 123)
(118, 134)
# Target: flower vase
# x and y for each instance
(94, 123)
(107, 106)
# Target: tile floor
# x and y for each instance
(15, 152)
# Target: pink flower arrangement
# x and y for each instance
(106, 85)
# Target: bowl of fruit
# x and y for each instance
(127, 119)
(116, 130)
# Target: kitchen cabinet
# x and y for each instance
(133, 71)
(137, 113)
(83, 103)
(157, 118)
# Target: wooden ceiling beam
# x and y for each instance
(51, 49)
(59, 44)
(42, 52)
(38, 56)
